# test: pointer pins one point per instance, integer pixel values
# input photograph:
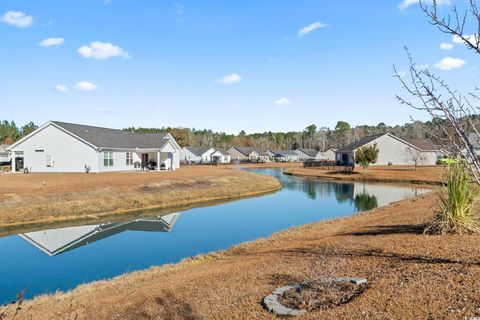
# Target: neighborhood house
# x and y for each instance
(308, 154)
(4, 157)
(68, 147)
(392, 151)
(204, 155)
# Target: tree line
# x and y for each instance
(312, 137)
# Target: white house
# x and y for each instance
(392, 150)
(197, 154)
(284, 155)
(308, 154)
(329, 155)
(243, 154)
(57, 241)
(220, 156)
(4, 157)
(68, 147)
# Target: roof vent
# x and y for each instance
(86, 130)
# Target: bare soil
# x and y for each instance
(42, 199)
(411, 275)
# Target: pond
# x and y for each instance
(60, 259)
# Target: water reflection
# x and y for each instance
(59, 259)
(57, 241)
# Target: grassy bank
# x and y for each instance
(36, 200)
(411, 275)
(396, 174)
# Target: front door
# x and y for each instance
(144, 157)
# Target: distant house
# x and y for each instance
(284, 155)
(221, 156)
(57, 241)
(243, 154)
(308, 154)
(4, 157)
(68, 147)
(392, 150)
(475, 141)
(329, 155)
(197, 154)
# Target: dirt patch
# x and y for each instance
(320, 294)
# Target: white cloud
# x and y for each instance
(17, 19)
(407, 3)
(85, 86)
(307, 29)
(282, 101)
(51, 42)
(61, 88)
(449, 63)
(230, 79)
(102, 51)
(446, 46)
(402, 73)
(470, 38)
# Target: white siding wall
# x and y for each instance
(396, 152)
(188, 156)
(329, 155)
(119, 161)
(68, 154)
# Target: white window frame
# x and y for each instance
(108, 159)
(129, 158)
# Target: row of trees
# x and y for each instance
(10, 132)
(312, 137)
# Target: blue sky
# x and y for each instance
(224, 65)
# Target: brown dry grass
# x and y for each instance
(411, 275)
(40, 199)
(405, 174)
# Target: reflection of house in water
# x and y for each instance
(385, 195)
(57, 241)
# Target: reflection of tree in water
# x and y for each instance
(365, 202)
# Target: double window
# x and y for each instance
(108, 159)
(129, 158)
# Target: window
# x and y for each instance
(38, 150)
(49, 160)
(129, 158)
(108, 159)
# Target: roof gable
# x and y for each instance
(309, 152)
(199, 151)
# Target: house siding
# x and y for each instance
(68, 154)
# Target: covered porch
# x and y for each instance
(156, 160)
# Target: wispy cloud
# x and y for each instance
(51, 42)
(17, 19)
(102, 51)
(311, 27)
(61, 88)
(85, 86)
(407, 3)
(230, 79)
(282, 102)
(449, 63)
(446, 46)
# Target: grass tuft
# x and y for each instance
(456, 200)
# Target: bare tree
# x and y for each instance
(417, 157)
(432, 94)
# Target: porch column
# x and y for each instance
(158, 161)
(13, 162)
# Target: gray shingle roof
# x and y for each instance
(357, 144)
(423, 144)
(309, 152)
(284, 152)
(114, 138)
(198, 151)
(246, 151)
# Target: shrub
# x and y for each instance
(456, 200)
(366, 155)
